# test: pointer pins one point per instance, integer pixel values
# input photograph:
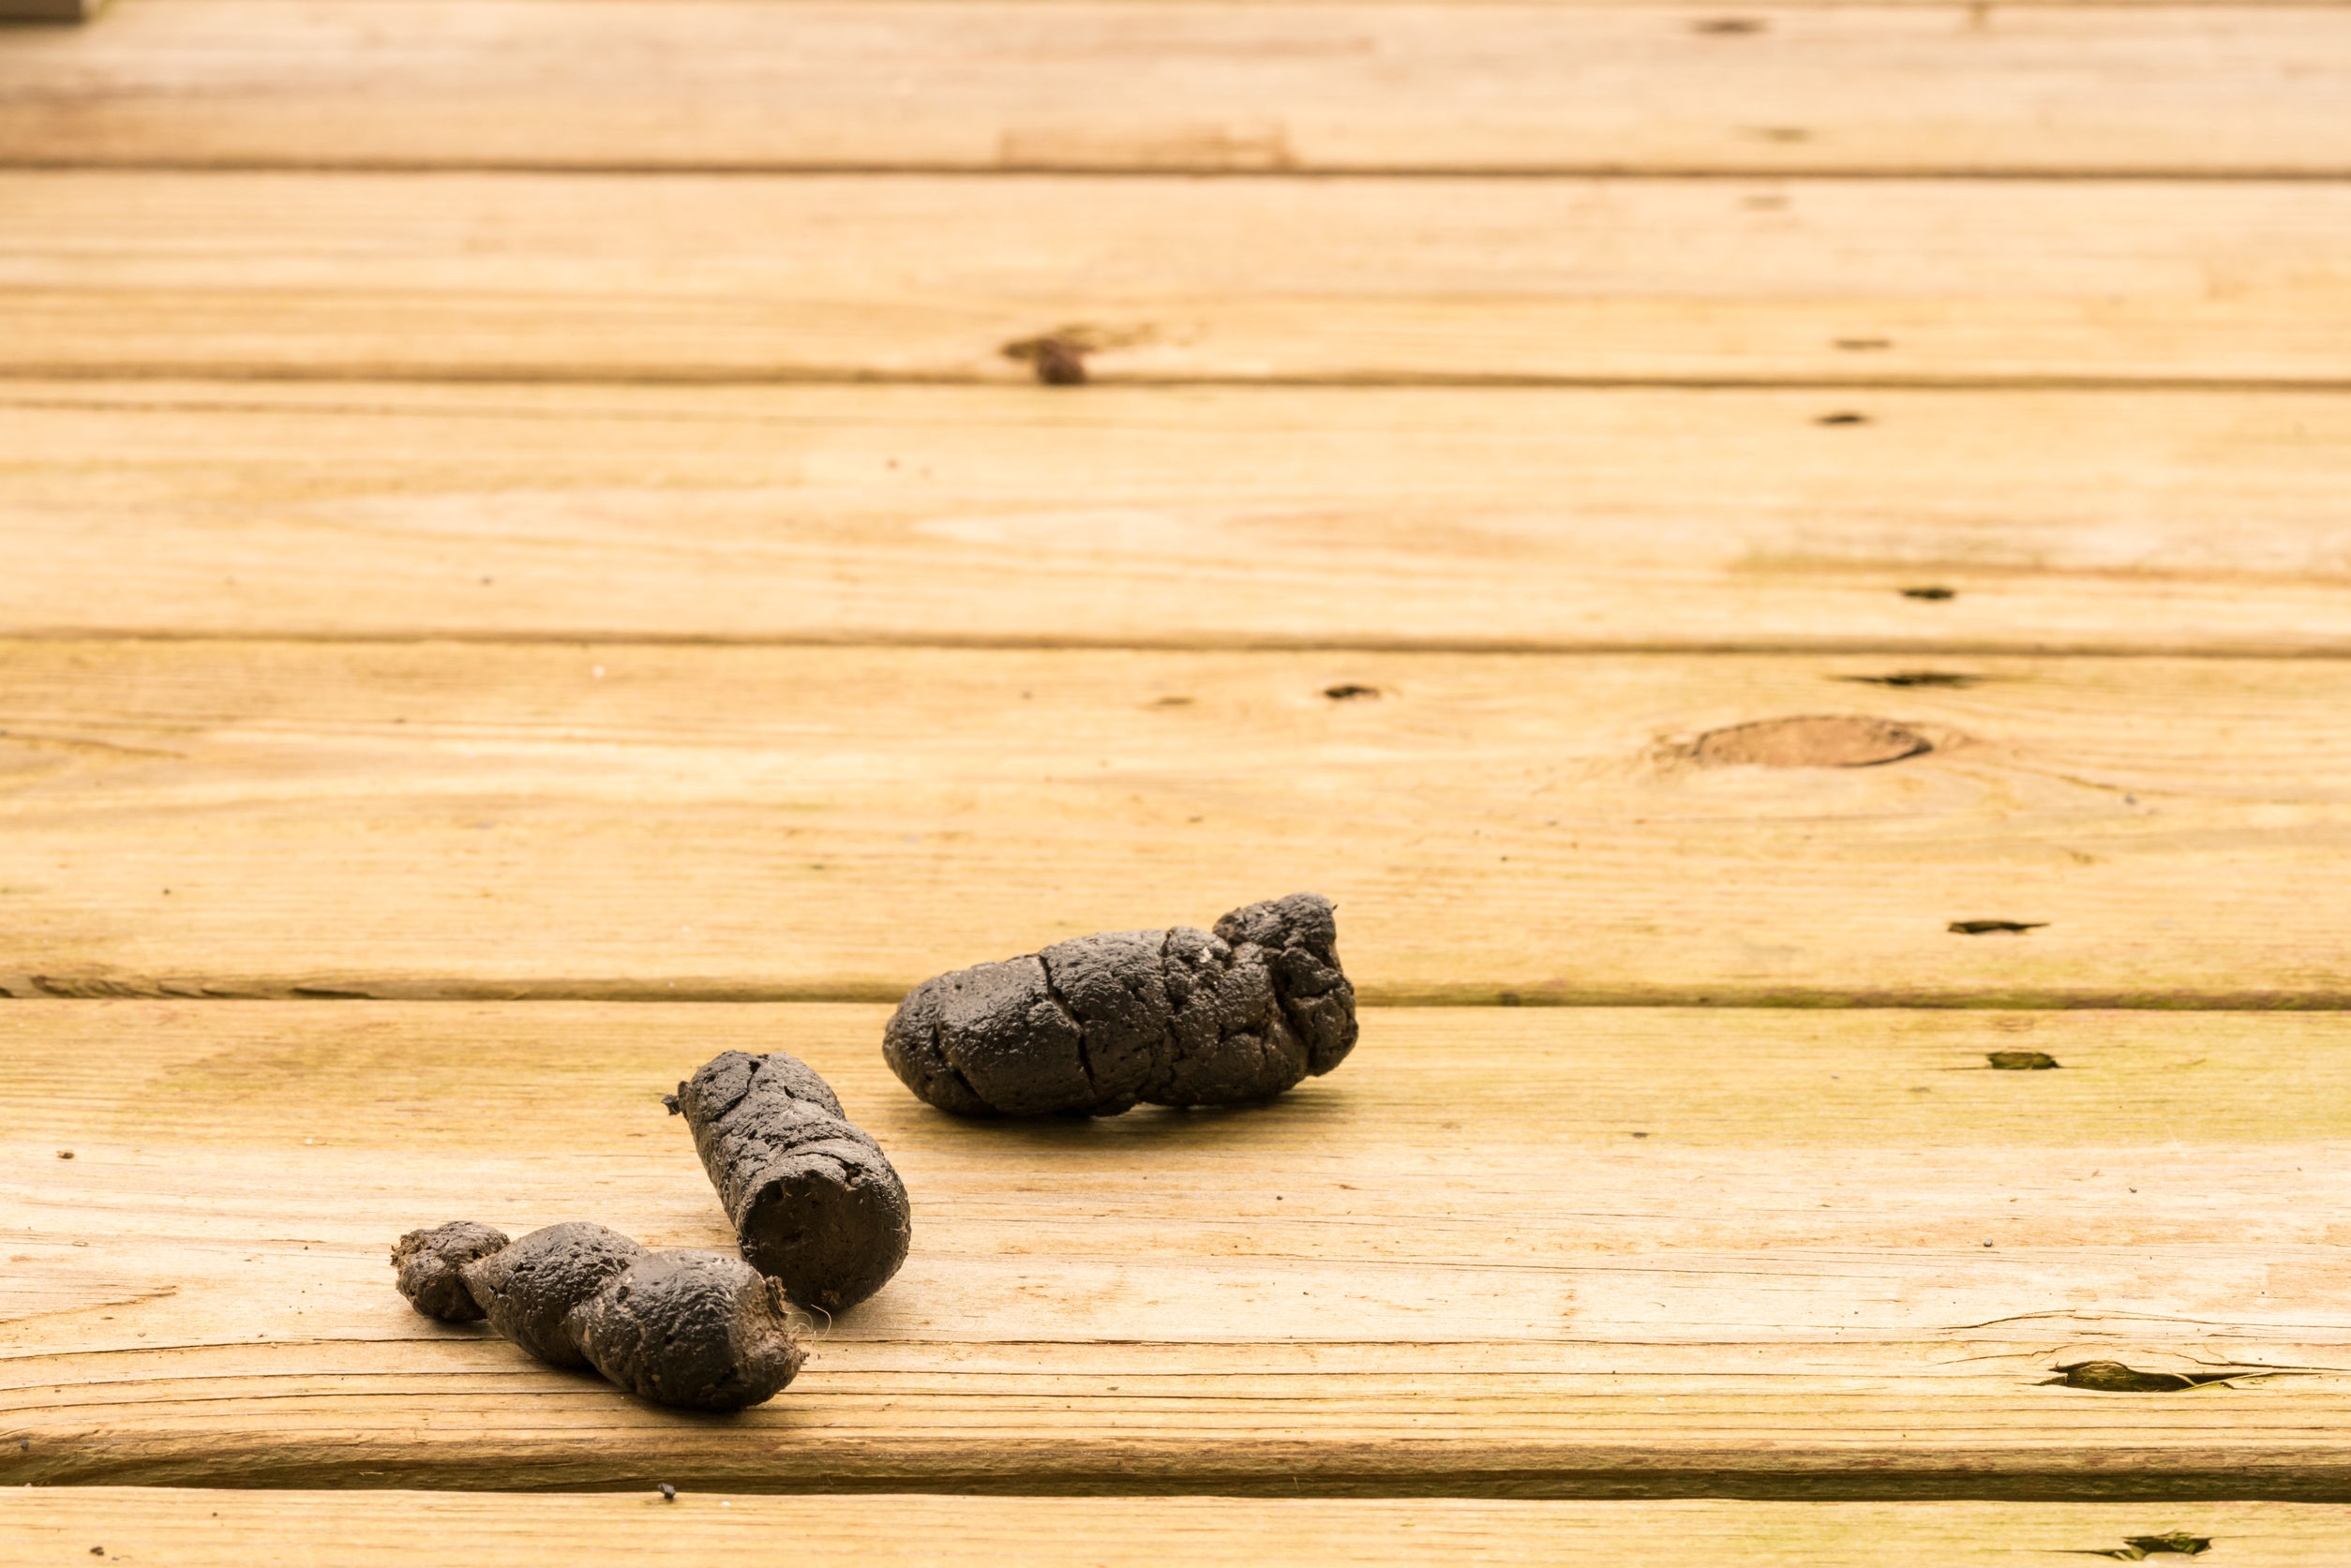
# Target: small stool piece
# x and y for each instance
(696, 1330)
(814, 1202)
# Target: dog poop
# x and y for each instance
(698, 1330)
(815, 1202)
(1098, 1024)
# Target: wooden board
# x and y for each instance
(1481, 519)
(715, 83)
(608, 821)
(523, 277)
(1520, 1252)
(416, 1529)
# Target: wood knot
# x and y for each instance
(1819, 741)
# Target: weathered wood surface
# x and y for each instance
(519, 276)
(1480, 519)
(716, 84)
(200, 817)
(200, 1529)
(1599, 1253)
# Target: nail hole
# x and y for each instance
(1985, 928)
(1932, 592)
(1842, 417)
(1348, 691)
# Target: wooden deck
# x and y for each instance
(534, 556)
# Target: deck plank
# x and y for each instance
(212, 1528)
(2208, 90)
(1524, 1252)
(1464, 519)
(434, 819)
(686, 277)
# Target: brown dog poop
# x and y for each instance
(1098, 1024)
(698, 1330)
(814, 1202)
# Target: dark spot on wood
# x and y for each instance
(1933, 592)
(2138, 1549)
(1348, 691)
(1729, 26)
(1058, 358)
(65, 1154)
(1985, 928)
(2021, 1061)
(1914, 678)
(1059, 364)
(1174, 702)
(1842, 417)
(1864, 345)
(2112, 1377)
(1826, 741)
(1779, 133)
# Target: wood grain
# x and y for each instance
(612, 821)
(1481, 519)
(480, 276)
(1532, 1252)
(202, 1528)
(714, 83)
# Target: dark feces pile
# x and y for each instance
(1097, 1025)
(698, 1330)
